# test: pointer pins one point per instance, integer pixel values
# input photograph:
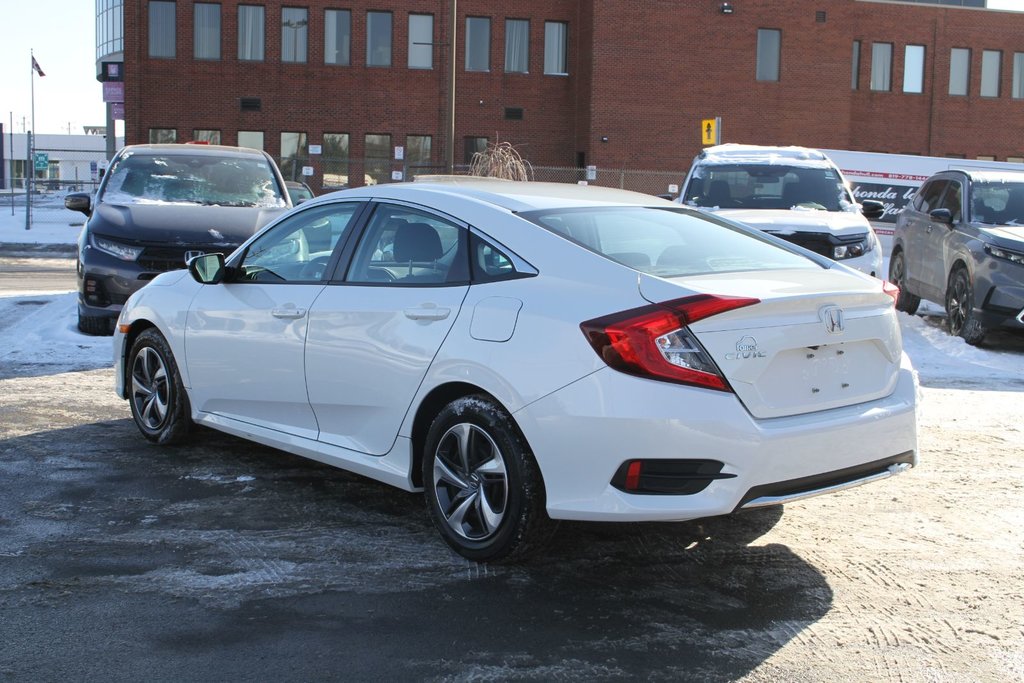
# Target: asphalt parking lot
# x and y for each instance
(224, 560)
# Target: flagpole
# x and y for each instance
(31, 169)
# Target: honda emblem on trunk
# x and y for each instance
(189, 255)
(832, 316)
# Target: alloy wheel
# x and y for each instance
(150, 388)
(470, 482)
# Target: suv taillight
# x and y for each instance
(654, 342)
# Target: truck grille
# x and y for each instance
(163, 259)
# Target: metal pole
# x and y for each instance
(450, 151)
(11, 137)
(29, 172)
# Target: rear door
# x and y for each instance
(374, 333)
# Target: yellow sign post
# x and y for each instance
(711, 131)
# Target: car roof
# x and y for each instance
(732, 153)
(512, 195)
(988, 176)
(193, 150)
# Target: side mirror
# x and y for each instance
(78, 201)
(941, 216)
(871, 209)
(207, 269)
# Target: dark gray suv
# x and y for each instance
(960, 242)
(158, 206)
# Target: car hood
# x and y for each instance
(180, 224)
(1013, 235)
(783, 222)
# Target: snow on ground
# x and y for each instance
(40, 328)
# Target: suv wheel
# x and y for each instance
(95, 325)
(906, 302)
(960, 308)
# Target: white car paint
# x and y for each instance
(341, 379)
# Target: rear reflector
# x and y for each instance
(654, 342)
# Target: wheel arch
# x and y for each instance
(137, 328)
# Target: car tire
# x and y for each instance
(906, 302)
(483, 488)
(960, 308)
(95, 325)
(156, 394)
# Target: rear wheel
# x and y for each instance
(960, 308)
(483, 488)
(95, 325)
(157, 397)
(906, 302)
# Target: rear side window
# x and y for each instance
(668, 242)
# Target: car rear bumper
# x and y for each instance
(582, 435)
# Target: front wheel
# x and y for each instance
(483, 488)
(157, 397)
(960, 308)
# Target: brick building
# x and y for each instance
(571, 83)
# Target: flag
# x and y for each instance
(35, 65)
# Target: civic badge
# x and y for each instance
(746, 348)
(832, 316)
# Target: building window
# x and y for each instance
(337, 37)
(959, 70)
(991, 61)
(421, 41)
(855, 68)
(294, 33)
(881, 66)
(206, 30)
(109, 27)
(1017, 89)
(250, 138)
(378, 38)
(293, 154)
(556, 48)
(417, 154)
(161, 29)
(160, 136)
(769, 47)
(517, 46)
(378, 157)
(472, 146)
(1015, 160)
(250, 33)
(335, 160)
(913, 69)
(211, 137)
(478, 44)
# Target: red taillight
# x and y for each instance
(892, 290)
(654, 342)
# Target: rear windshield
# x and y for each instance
(203, 179)
(767, 186)
(668, 242)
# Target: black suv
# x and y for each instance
(960, 242)
(160, 205)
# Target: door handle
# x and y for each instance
(288, 312)
(427, 313)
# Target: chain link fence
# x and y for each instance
(55, 172)
(325, 174)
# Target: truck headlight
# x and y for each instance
(125, 252)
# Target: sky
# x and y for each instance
(62, 34)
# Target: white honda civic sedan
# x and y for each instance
(530, 352)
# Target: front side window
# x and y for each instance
(161, 136)
(206, 30)
(929, 195)
(211, 137)
(421, 41)
(403, 246)
(517, 46)
(378, 38)
(991, 62)
(769, 48)
(298, 249)
(337, 37)
(250, 138)
(556, 48)
(203, 179)
(881, 67)
(478, 44)
(767, 186)
(293, 154)
(913, 69)
(959, 70)
(378, 157)
(294, 33)
(952, 200)
(335, 160)
(250, 33)
(162, 31)
(667, 242)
